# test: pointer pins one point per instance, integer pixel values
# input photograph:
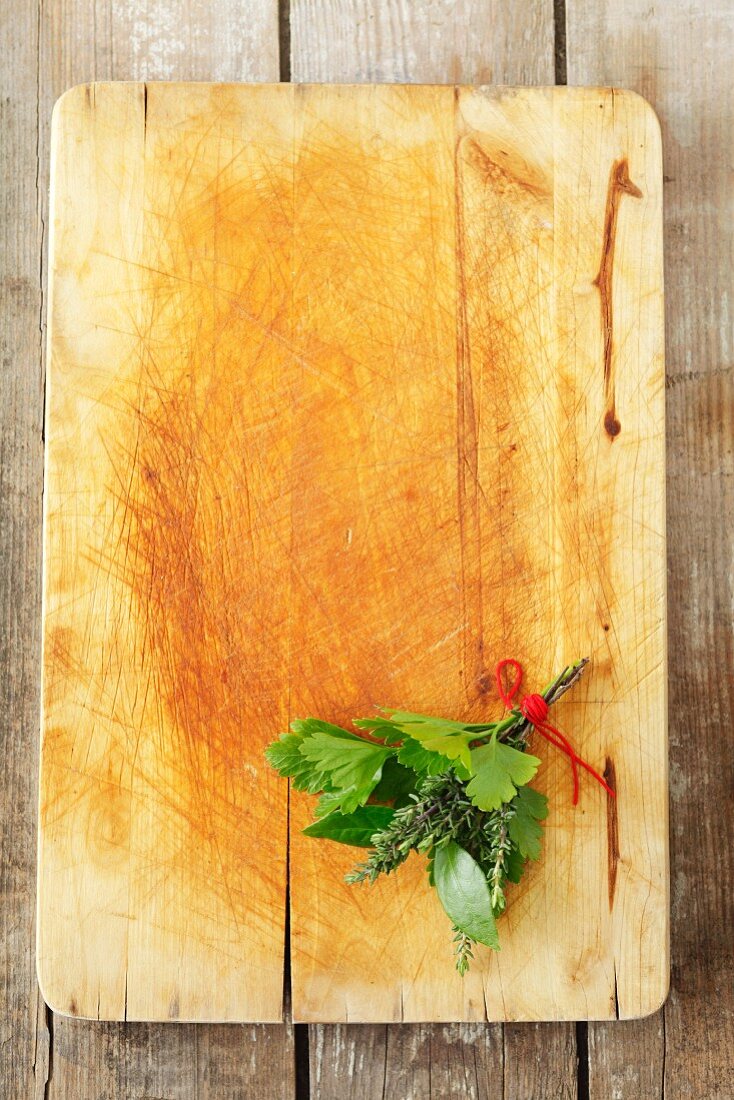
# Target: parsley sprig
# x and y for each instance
(455, 792)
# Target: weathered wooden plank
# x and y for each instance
(83, 41)
(444, 1060)
(362, 1062)
(678, 55)
(625, 1059)
(530, 1049)
(471, 42)
(24, 1035)
(176, 1061)
(348, 1061)
(222, 40)
(468, 42)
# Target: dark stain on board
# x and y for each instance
(612, 830)
(619, 184)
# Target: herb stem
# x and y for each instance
(516, 726)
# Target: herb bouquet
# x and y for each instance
(456, 792)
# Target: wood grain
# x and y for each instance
(307, 405)
(659, 50)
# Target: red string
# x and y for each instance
(535, 709)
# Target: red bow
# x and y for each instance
(535, 709)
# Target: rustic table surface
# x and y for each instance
(679, 55)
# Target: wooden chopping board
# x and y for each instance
(352, 391)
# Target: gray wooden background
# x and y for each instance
(680, 55)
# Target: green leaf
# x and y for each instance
(349, 798)
(498, 771)
(515, 864)
(440, 735)
(452, 746)
(306, 727)
(285, 756)
(424, 761)
(352, 766)
(396, 785)
(394, 725)
(526, 833)
(449, 740)
(535, 802)
(381, 728)
(405, 718)
(329, 803)
(464, 893)
(356, 828)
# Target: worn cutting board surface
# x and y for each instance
(352, 391)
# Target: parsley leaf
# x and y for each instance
(439, 735)
(380, 727)
(320, 757)
(403, 718)
(531, 807)
(356, 828)
(452, 746)
(424, 761)
(306, 727)
(285, 756)
(498, 771)
(352, 765)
